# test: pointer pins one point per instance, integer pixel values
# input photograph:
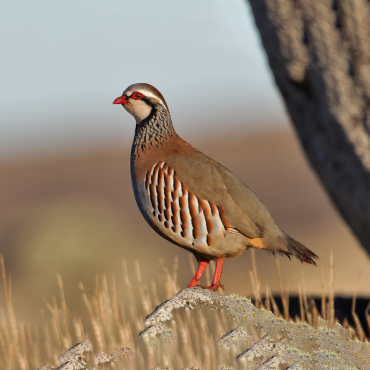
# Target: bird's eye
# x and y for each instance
(137, 95)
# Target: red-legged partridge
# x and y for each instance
(192, 200)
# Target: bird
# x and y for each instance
(190, 199)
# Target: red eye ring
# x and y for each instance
(137, 96)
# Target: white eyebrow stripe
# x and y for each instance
(145, 92)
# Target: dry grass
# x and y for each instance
(109, 322)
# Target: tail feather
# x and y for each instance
(285, 245)
(299, 251)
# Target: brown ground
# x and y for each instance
(76, 214)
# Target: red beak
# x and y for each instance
(121, 100)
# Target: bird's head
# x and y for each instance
(140, 99)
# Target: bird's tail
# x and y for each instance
(299, 251)
(285, 245)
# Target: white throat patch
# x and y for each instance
(139, 109)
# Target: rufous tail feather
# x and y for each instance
(300, 251)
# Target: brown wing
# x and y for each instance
(199, 202)
(203, 178)
(185, 217)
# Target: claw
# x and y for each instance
(212, 287)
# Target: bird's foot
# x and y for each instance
(215, 288)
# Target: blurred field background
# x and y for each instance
(66, 203)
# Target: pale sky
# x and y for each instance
(64, 62)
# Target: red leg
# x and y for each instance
(218, 272)
(216, 283)
(201, 268)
